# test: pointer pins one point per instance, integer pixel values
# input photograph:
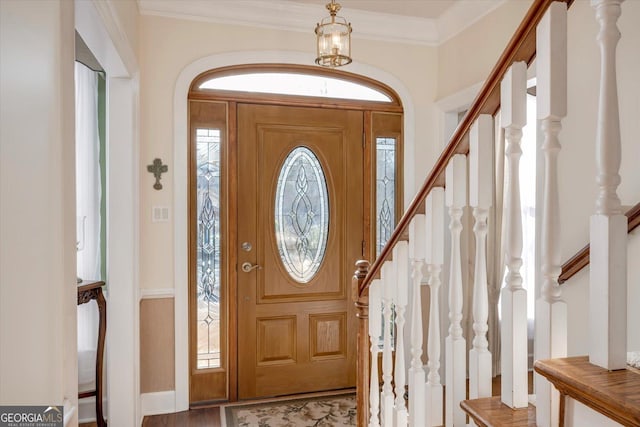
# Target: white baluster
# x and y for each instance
(434, 258)
(551, 311)
(375, 330)
(514, 296)
(417, 253)
(455, 344)
(608, 272)
(401, 262)
(388, 287)
(480, 197)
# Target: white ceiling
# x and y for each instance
(427, 22)
(429, 9)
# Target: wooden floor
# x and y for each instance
(206, 417)
(210, 417)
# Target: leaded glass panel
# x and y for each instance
(208, 247)
(385, 190)
(301, 214)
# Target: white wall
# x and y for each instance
(38, 350)
(38, 356)
(468, 58)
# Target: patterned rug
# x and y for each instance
(323, 411)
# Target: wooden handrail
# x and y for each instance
(521, 47)
(581, 259)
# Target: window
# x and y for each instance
(385, 190)
(208, 247)
(295, 84)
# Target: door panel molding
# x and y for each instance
(322, 306)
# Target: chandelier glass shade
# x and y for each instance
(333, 39)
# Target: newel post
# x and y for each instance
(362, 375)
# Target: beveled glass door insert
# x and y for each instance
(301, 214)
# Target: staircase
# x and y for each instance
(594, 390)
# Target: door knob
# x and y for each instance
(247, 267)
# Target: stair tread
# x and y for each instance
(615, 394)
(491, 412)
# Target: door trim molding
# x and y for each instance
(180, 180)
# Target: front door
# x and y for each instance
(300, 231)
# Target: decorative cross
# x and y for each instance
(157, 169)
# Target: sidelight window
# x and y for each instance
(385, 190)
(208, 247)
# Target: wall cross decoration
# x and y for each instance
(157, 169)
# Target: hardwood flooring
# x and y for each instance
(210, 417)
(205, 417)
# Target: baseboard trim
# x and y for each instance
(87, 409)
(161, 402)
(157, 293)
(68, 412)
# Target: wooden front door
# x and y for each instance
(300, 230)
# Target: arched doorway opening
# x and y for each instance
(216, 117)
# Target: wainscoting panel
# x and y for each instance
(157, 346)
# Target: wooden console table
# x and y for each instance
(92, 290)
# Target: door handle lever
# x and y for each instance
(247, 267)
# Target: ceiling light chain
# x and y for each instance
(333, 39)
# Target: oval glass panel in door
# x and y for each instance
(301, 214)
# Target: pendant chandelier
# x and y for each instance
(333, 39)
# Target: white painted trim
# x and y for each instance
(68, 411)
(157, 293)
(161, 402)
(290, 16)
(123, 46)
(87, 409)
(180, 192)
(459, 100)
(122, 353)
(99, 26)
(449, 108)
(94, 32)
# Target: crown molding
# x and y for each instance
(291, 16)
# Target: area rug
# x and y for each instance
(322, 411)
